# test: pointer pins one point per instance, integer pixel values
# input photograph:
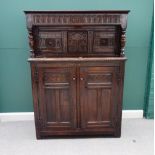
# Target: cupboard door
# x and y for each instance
(98, 98)
(57, 96)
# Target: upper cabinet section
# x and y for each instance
(76, 33)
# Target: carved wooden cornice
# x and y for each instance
(78, 18)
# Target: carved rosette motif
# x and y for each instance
(104, 41)
(50, 41)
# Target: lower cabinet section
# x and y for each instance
(77, 98)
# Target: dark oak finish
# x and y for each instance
(77, 67)
(97, 93)
(57, 93)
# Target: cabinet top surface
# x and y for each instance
(79, 59)
(77, 11)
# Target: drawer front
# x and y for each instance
(77, 41)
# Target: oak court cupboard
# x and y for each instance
(77, 67)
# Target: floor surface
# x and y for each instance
(18, 138)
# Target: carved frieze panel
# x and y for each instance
(50, 77)
(104, 41)
(68, 19)
(78, 41)
(100, 78)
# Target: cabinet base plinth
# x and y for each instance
(46, 135)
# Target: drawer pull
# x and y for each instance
(81, 79)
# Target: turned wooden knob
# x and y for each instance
(81, 78)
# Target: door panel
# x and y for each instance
(98, 97)
(57, 89)
(59, 109)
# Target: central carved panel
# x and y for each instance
(78, 41)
